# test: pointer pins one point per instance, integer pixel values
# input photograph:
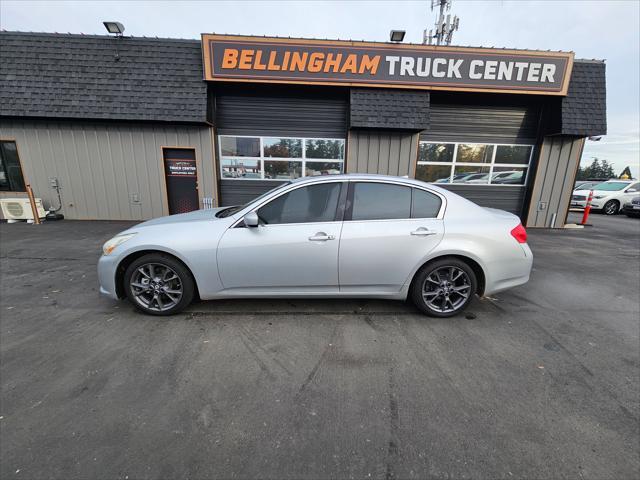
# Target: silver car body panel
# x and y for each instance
(375, 258)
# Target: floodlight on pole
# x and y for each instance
(397, 35)
(118, 29)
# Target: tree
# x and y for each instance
(626, 171)
(606, 170)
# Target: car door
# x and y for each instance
(388, 229)
(293, 249)
(630, 192)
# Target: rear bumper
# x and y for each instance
(510, 272)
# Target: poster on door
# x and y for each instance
(181, 168)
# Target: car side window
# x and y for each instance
(380, 201)
(312, 204)
(424, 204)
(635, 186)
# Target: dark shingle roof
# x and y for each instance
(76, 76)
(584, 109)
(390, 109)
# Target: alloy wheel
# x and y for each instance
(446, 289)
(610, 208)
(156, 287)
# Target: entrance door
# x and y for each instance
(182, 179)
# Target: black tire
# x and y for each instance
(423, 285)
(151, 295)
(612, 207)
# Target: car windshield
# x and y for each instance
(227, 212)
(610, 186)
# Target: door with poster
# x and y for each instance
(182, 179)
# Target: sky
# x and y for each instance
(601, 29)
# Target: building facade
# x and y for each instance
(135, 128)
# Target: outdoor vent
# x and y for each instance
(15, 209)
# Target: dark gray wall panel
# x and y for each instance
(239, 192)
(382, 152)
(509, 198)
(389, 109)
(276, 111)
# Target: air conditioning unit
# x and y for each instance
(15, 209)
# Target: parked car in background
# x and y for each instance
(608, 196)
(398, 238)
(586, 185)
(632, 208)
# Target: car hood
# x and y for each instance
(195, 216)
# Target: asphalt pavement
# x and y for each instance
(539, 382)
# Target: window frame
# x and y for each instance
(24, 180)
(491, 165)
(348, 214)
(262, 158)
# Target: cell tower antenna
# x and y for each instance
(444, 27)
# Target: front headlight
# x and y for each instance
(110, 245)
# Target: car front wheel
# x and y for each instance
(444, 288)
(159, 284)
(611, 207)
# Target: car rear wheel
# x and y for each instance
(611, 207)
(159, 284)
(444, 288)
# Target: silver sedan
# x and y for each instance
(329, 236)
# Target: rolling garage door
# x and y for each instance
(494, 137)
(279, 112)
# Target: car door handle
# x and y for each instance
(423, 232)
(321, 237)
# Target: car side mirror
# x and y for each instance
(251, 220)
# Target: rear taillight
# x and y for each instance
(520, 234)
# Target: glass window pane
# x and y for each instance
(331, 149)
(282, 170)
(518, 154)
(473, 175)
(433, 173)
(240, 146)
(10, 171)
(508, 176)
(435, 152)
(240, 168)
(378, 201)
(315, 203)
(474, 153)
(424, 204)
(323, 168)
(282, 147)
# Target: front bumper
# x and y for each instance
(107, 266)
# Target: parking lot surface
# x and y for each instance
(539, 382)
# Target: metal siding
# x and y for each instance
(553, 184)
(509, 198)
(386, 153)
(99, 165)
(239, 192)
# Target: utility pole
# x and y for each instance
(444, 26)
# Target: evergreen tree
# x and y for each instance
(607, 170)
